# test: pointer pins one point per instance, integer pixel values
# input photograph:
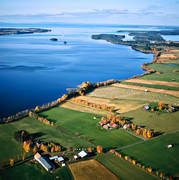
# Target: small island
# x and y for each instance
(8, 31)
(54, 39)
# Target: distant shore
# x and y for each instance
(8, 31)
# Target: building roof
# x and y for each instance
(44, 163)
(53, 157)
(63, 164)
(60, 159)
(37, 156)
(75, 156)
(82, 154)
(146, 107)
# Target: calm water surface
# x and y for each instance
(35, 70)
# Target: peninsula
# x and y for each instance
(143, 41)
(8, 31)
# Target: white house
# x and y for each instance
(82, 154)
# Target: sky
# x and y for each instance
(127, 12)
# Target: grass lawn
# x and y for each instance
(152, 86)
(123, 169)
(85, 125)
(167, 75)
(29, 171)
(132, 94)
(163, 122)
(155, 153)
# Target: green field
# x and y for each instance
(154, 153)
(69, 122)
(30, 171)
(168, 74)
(123, 169)
(152, 86)
(162, 122)
(8, 143)
(132, 94)
(87, 127)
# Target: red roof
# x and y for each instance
(112, 124)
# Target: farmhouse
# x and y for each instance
(44, 162)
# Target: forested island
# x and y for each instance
(8, 31)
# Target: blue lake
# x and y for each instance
(35, 70)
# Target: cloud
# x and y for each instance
(74, 12)
(151, 14)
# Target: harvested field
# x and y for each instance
(133, 94)
(165, 83)
(171, 92)
(168, 56)
(91, 170)
(121, 106)
(174, 51)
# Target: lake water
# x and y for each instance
(35, 70)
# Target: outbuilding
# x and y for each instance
(60, 159)
(82, 154)
(53, 158)
(146, 107)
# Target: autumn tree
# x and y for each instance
(44, 148)
(26, 146)
(145, 133)
(149, 134)
(138, 132)
(34, 149)
(58, 148)
(37, 108)
(90, 150)
(11, 162)
(30, 113)
(52, 149)
(99, 149)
